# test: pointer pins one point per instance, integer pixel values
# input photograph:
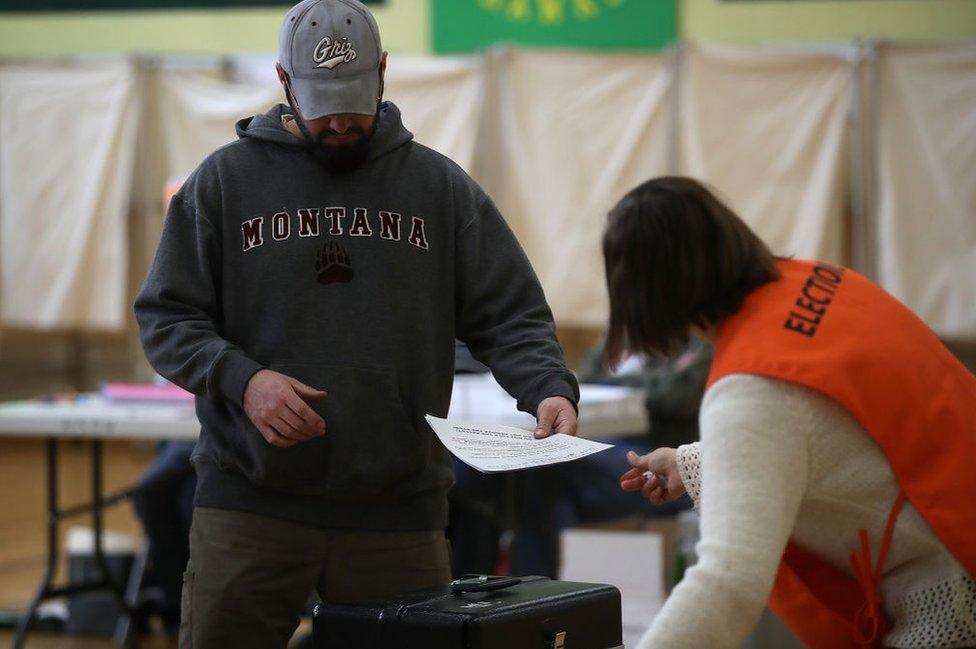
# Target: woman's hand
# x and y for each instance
(664, 485)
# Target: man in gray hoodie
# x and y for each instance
(308, 287)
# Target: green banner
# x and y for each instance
(470, 25)
(88, 5)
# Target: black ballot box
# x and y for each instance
(479, 612)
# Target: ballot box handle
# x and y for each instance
(482, 583)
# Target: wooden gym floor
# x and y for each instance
(23, 498)
(23, 485)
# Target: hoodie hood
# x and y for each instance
(390, 133)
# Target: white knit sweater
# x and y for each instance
(778, 462)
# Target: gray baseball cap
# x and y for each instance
(331, 51)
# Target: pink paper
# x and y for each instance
(144, 392)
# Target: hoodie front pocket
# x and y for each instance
(370, 444)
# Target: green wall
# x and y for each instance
(405, 25)
(768, 21)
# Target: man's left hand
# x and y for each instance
(556, 415)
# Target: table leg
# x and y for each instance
(124, 638)
(54, 516)
(96, 508)
(52, 545)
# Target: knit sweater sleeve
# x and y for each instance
(753, 475)
(688, 459)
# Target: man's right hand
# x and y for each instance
(275, 404)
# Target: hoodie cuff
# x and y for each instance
(230, 375)
(553, 386)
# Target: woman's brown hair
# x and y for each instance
(676, 256)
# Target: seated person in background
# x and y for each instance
(164, 505)
(673, 387)
(587, 490)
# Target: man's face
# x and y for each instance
(342, 139)
(344, 129)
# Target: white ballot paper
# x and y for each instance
(490, 448)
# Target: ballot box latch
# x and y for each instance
(559, 641)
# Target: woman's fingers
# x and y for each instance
(631, 474)
(659, 496)
(650, 485)
(637, 461)
(654, 475)
(632, 484)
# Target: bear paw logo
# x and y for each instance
(333, 264)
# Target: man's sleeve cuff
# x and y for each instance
(553, 386)
(231, 373)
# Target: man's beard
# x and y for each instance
(344, 158)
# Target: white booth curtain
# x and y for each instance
(767, 129)
(440, 99)
(198, 111)
(575, 131)
(67, 143)
(926, 156)
(556, 137)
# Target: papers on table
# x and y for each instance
(491, 448)
(604, 410)
(92, 416)
(145, 393)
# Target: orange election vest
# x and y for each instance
(831, 330)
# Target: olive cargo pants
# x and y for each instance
(249, 576)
